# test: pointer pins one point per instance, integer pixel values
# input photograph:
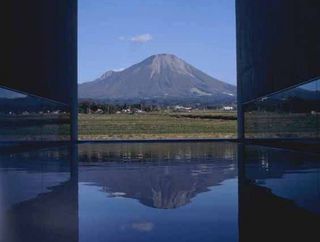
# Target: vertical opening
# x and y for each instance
(156, 70)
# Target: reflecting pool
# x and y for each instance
(158, 192)
(184, 191)
(38, 195)
(279, 193)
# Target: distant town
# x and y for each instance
(98, 108)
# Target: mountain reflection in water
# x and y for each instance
(197, 191)
(158, 175)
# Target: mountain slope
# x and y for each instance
(158, 77)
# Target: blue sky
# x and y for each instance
(114, 34)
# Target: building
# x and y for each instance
(278, 57)
(227, 108)
(278, 60)
(52, 192)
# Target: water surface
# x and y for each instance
(158, 192)
(188, 191)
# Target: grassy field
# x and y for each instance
(158, 125)
(35, 127)
(281, 125)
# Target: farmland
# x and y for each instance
(158, 125)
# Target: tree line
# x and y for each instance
(93, 107)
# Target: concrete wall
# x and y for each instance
(39, 50)
(39, 47)
(278, 46)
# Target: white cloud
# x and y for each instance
(142, 38)
(143, 226)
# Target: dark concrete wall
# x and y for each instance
(39, 53)
(278, 45)
(39, 50)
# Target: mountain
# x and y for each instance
(162, 77)
(6, 93)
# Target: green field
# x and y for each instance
(35, 127)
(281, 125)
(158, 125)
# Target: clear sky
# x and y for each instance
(114, 34)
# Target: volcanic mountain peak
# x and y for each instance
(159, 77)
(163, 62)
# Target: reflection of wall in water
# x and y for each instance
(288, 174)
(278, 195)
(39, 196)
